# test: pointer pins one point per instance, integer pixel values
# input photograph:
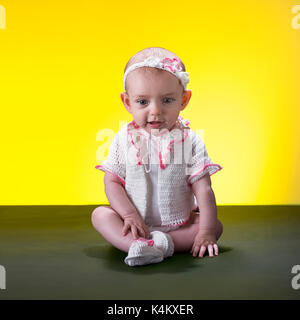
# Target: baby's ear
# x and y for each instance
(186, 96)
(126, 101)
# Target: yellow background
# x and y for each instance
(61, 75)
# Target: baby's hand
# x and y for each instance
(136, 224)
(205, 240)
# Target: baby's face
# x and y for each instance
(156, 95)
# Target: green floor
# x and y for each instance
(53, 252)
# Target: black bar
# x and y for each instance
(140, 309)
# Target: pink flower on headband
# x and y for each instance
(171, 64)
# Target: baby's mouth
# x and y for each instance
(155, 124)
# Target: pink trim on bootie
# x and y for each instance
(148, 241)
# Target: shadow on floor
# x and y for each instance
(114, 260)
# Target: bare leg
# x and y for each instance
(183, 237)
(110, 224)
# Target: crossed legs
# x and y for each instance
(109, 224)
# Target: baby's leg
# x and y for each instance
(110, 224)
(183, 237)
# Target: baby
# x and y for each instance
(157, 172)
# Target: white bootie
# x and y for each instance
(142, 252)
(164, 242)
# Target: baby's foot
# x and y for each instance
(142, 252)
(164, 242)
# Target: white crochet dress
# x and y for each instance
(161, 192)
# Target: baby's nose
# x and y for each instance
(155, 109)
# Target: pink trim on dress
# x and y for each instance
(163, 166)
(135, 125)
(200, 171)
(164, 131)
(102, 168)
(138, 154)
(186, 121)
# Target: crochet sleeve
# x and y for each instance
(199, 162)
(115, 162)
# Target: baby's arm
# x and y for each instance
(206, 236)
(119, 201)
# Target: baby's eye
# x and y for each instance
(142, 102)
(168, 100)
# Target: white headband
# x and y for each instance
(170, 65)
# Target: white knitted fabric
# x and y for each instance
(163, 242)
(175, 197)
(116, 161)
(141, 253)
(199, 162)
